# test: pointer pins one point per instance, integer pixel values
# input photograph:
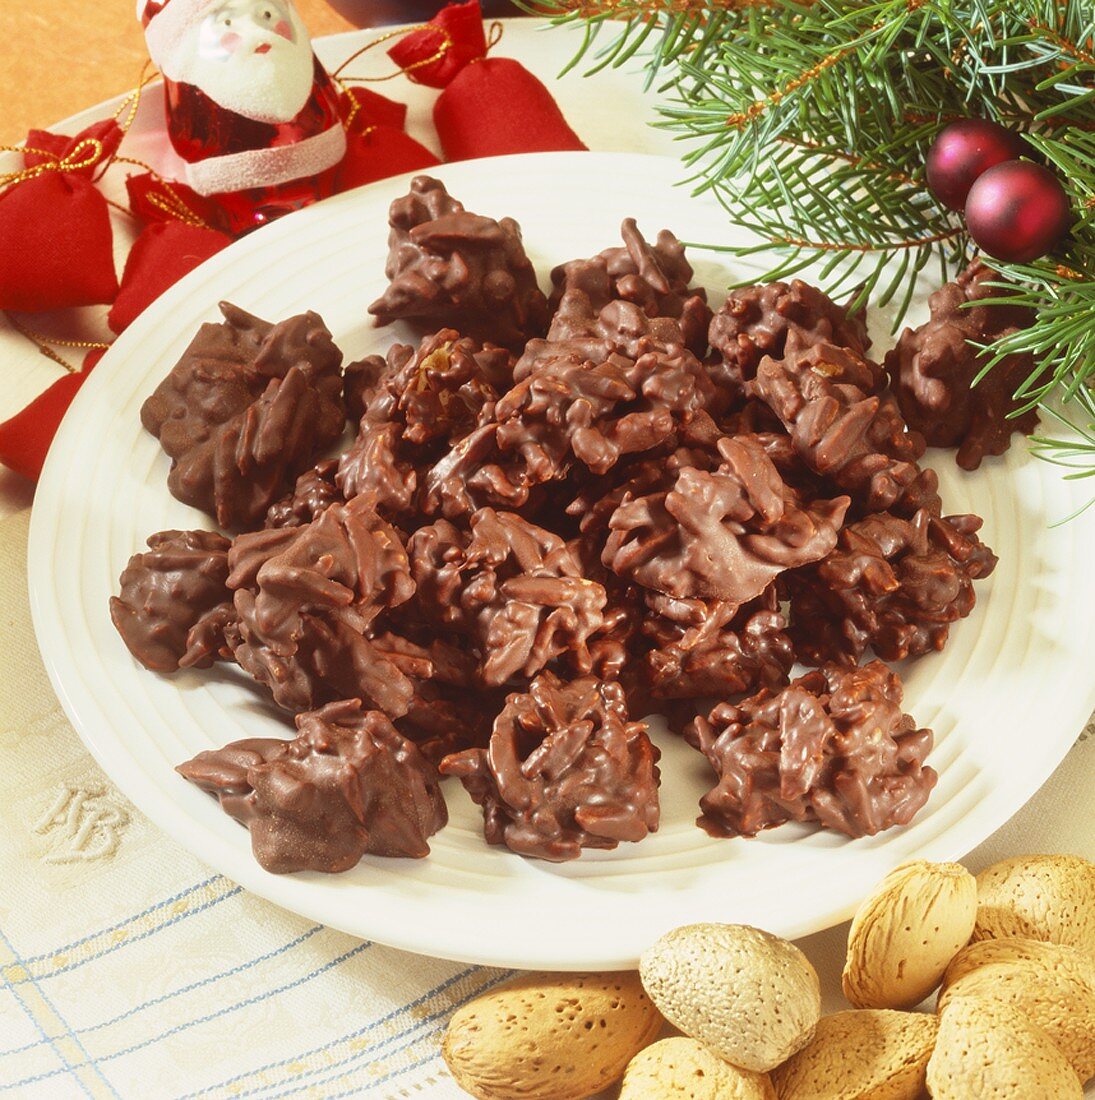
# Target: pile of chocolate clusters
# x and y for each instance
(560, 515)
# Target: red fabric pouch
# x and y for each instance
(153, 202)
(160, 257)
(488, 106)
(376, 144)
(58, 146)
(25, 438)
(56, 244)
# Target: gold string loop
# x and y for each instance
(169, 202)
(42, 342)
(84, 154)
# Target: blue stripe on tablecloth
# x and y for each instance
(438, 1018)
(201, 1020)
(66, 1066)
(416, 1003)
(178, 992)
(132, 939)
(128, 920)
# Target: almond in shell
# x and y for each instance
(865, 1054)
(990, 1051)
(1050, 898)
(679, 1068)
(906, 932)
(750, 997)
(550, 1036)
(1050, 985)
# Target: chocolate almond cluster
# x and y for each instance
(557, 516)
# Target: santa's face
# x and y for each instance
(252, 57)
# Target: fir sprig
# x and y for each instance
(810, 121)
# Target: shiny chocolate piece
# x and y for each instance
(892, 584)
(720, 535)
(565, 770)
(306, 598)
(349, 785)
(932, 369)
(776, 319)
(513, 589)
(710, 648)
(844, 431)
(834, 747)
(171, 609)
(449, 267)
(245, 411)
(314, 491)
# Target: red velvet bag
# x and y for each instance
(25, 438)
(376, 144)
(160, 257)
(489, 106)
(56, 244)
(58, 146)
(153, 202)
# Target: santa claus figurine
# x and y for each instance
(250, 109)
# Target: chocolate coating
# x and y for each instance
(513, 589)
(306, 598)
(892, 584)
(722, 535)
(843, 429)
(449, 267)
(347, 786)
(834, 747)
(776, 319)
(246, 410)
(932, 369)
(170, 609)
(565, 770)
(314, 490)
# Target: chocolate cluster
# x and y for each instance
(833, 747)
(557, 516)
(450, 267)
(248, 408)
(933, 369)
(565, 770)
(348, 785)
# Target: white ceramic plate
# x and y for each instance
(1006, 699)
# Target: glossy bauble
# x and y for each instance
(1018, 211)
(962, 151)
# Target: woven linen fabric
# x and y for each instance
(130, 971)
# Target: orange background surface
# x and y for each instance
(59, 56)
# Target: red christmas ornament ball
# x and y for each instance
(962, 151)
(1018, 211)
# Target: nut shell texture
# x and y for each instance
(550, 1036)
(870, 1054)
(1049, 898)
(990, 1051)
(682, 1069)
(1051, 986)
(905, 933)
(749, 996)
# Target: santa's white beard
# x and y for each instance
(268, 87)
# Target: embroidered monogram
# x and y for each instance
(83, 824)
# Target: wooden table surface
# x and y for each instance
(60, 56)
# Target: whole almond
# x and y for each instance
(990, 1051)
(906, 932)
(1049, 898)
(866, 1054)
(750, 997)
(550, 1036)
(682, 1068)
(1050, 985)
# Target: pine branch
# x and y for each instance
(810, 121)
